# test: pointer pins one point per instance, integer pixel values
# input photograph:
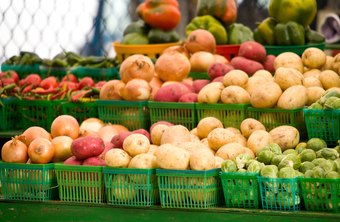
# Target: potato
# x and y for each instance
(268, 63)
(157, 132)
(172, 157)
(286, 77)
(117, 157)
(247, 65)
(220, 136)
(336, 63)
(264, 73)
(314, 93)
(171, 92)
(234, 95)
(73, 161)
(143, 161)
(249, 125)
(189, 98)
(218, 161)
(230, 151)
(235, 77)
(233, 129)
(94, 161)
(206, 125)
(312, 73)
(175, 135)
(191, 147)
(287, 137)
(198, 84)
(259, 139)
(329, 79)
(254, 82)
(239, 138)
(311, 81)
(265, 96)
(87, 146)
(293, 98)
(252, 50)
(289, 59)
(136, 144)
(313, 58)
(153, 149)
(328, 64)
(210, 93)
(202, 159)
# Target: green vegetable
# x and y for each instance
(135, 39)
(274, 147)
(318, 172)
(307, 155)
(160, 36)
(337, 163)
(241, 160)
(290, 33)
(332, 102)
(332, 175)
(327, 153)
(316, 144)
(287, 199)
(210, 24)
(269, 171)
(300, 147)
(255, 167)
(313, 36)
(306, 166)
(319, 161)
(328, 165)
(239, 33)
(290, 151)
(291, 160)
(228, 166)
(136, 27)
(308, 174)
(277, 159)
(286, 172)
(265, 156)
(264, 32)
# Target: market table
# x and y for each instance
(61, 211)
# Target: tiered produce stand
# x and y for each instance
(203, 162)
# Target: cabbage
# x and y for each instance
(307, 155)
(308, 174)
(290, 160)
(228, 166)
(306, 166)
(286, 172)
(241, 160)
(274, 147)
(337, 163)
(332, 175)
(327, 153)
(301, 146)
(287, 199)
(290, 151)
(277, 159)
(318, 161)
(328, 165)
(255, 167)
(318, 172)
(265, 156)
(269, 171)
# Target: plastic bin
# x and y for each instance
(39, 112)
(176, 113)
(280, 193)
(82, 184)
(80, 110)
(189, 188)
(153, 51)
(231, 115)
(228, 51)
(199, 75)
(131, 187)
(274, 117)
(324, 124)
(22, 70)
(298, 49)
(97, 74)
(241, 190)
(28, 182)
(320, 194)
(9, 114)
(132, 114)
(58, 72)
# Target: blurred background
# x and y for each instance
(89, 27)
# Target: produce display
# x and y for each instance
(188, 128)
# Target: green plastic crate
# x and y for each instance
(29, 182)
(132, 114)
(97, 74)
(189, 188)
(231, 115)
(199, 75)
(324, 124)
(131, 187)
(241, 190)
(176, 113)
(280, 193)
(320, 194)
(274, 117)
(22, 70)
(81, 184)
(298, 49)
(80, 110)
(58, 72)
(39, 112)
(9, 114)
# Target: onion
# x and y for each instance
(91, 126)
(136, 90)
(41, 151)
(65, 125)
(200, 61)
(62, 146)
(177, 48)
(137, 66)
(32, 133)
(14, 151)
(111, 90)
(107, 132)
(120, 128)
(200, 40)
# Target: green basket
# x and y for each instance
(132, 114)
(97, 74)
(320, 194)
(298, 49)
(189, 188)
(131, 187)
(22, 70)
(58, 72)
(29, 182)
(199, 75)
(82, 184)
(324, 124)
(241, 190)
(39, 112)
(176, 113)
(231, 115)
(9, 114)
(80, 110)
(274, 117)
(280, 193)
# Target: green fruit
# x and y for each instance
(135, 39)
(316, 144)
